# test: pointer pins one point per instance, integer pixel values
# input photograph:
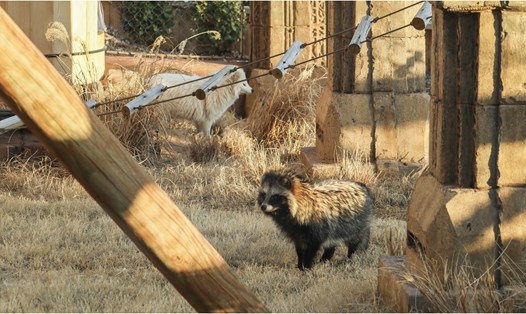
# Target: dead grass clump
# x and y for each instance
(288, 112)
(459, 286)
(207, 150)
(38, 178)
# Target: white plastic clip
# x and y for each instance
(423, 17)
(360, 34)
(288, 59)
(11, 123)
(214, 81)
(91, 103)
(15, 122)
(144, 99)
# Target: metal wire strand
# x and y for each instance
(387, 33)
(165, 100)
(264, 59)
(108, 113)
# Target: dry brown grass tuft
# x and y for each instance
(38, 178)
(459, 286)
(288, 115)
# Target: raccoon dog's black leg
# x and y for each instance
(327, 254)
(352, 246)
(310, 254)
(300, 252)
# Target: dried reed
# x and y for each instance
(459, 286)
(289, 113)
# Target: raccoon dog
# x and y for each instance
(317, 215)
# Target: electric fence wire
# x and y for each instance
(264, 59)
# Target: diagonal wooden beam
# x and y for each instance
(56, 115)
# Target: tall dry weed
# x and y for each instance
(289, 112)
(459, 286)
(38, 178)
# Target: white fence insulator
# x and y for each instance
(90, 103)
(15, 122)
(11, 123)
(288, 59)
(423, 17)
(142, 100)
(214, 81)
(360, 34)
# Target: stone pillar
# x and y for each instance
(472, 201)
(376, 102)
(275, 25)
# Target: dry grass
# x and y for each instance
(459, 286)
(60, 252)
(287, 116)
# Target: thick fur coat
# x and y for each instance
(204, 113)
(317, 215)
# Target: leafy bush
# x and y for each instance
(144, 21)
(222, 16)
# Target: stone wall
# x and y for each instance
(275, 25)
(376, 102)
(472, 201)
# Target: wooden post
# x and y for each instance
(54, 112)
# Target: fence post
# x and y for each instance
(56, 115)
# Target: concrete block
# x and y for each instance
(513, 57)
(416, 64)
(473, 217)
(487, 93)
(380, 8)
(383, 80)
(515, 5)
(327, 126)
(317, 167)
(361, 70)
(385, 120)
(452, 224)
(486, 145)
(512, 231)
(412, 127)
(443, 145)
(402, 296)
(402, 66)
(355, 121)
(469, 6)
(512, 151)
(343, 121)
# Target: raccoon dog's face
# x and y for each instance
(274, 194)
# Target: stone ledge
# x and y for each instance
(394, 167)
(316, 166)
(320, 168)
(403, 297)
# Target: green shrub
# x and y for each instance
(222, 16)
(144, 21)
